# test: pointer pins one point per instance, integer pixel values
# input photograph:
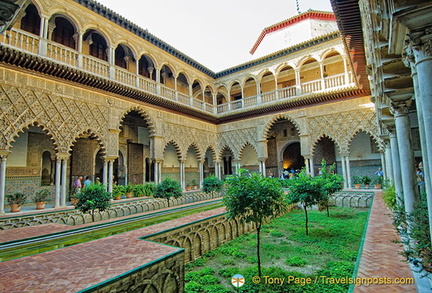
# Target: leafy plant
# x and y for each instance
(18, 198)
(357, 179)
(377, 179)
(306, 191)
(254, 198)
(212, 184)
(389, 197)
(296, 261)
(366, 180)
(129, 188)
(42, 195)
(93, 197)
(168, 188)
(118, 190)
(415, 234)
(330, 183)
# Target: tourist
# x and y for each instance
(379, 172)
(420, 179)
(97, 181)
(78, 184)
(87, 182)
(270, 174)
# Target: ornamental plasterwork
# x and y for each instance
(64, 119)
(236, 139)
(343, 126)
(185, 136)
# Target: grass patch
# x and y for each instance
(330, 250)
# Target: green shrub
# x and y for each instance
(212, 183)
(216, 289)
(389, 197)
(252, 259)
(296, 261)
(168, 188)
(93, 197)
(227, 261)
(194, 287)
(208, 280)
(228, 273)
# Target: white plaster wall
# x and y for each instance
(191, 159)
(170, 157)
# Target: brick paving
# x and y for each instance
(83, 265)
(380, 256)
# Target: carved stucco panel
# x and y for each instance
(236, 139)
(64, 119)
(343, 126)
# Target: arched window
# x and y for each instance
(31, 21)
(98, 47)
(64, 32)
(120, 57)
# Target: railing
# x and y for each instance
(95, 65)
(250, 101)
(168, 92)
(21, 40)
(311, 86)
(28, 42)
(287, 92)
(335, 81)
(183, 98)
(62, 53)
(268, 97)
(147, 84)
(125, 76)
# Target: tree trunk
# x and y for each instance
(258, 250)
(92, 214)
(328, 212)
(168, 201)
(307, 220)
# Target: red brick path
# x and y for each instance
(77, 267)
(380, 256)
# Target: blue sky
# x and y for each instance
(217, 34)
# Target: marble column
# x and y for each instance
(397, 174)
(105, 174)
(182, 175)
(218, 169)
(201, 173)
(389, 164)
(344, 172)
(3, 180)
(348, 171)
(57, 194)
(63, 194)
(110, 175)
(420, 52)
(262, 167)
(406, 154)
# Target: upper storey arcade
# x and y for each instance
(101, 49)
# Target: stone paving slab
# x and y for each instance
(80, 266)
(380, 256)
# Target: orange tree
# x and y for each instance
(251, 197)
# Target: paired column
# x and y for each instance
(3, 158)
(400, 107)
(346, 170)
(218, 172)
(262, 167)
(182, 175)
(108, 172)
(63, 179)
(201, 173)
(158, 170)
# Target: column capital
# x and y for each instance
(62, 156)
(421, 43)
(400, 108)
(109, 158)
(262, 159)
(4, 153)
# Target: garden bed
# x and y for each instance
(327, 256)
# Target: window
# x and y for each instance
(98, 47)
(64, 32)
(31, 21)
